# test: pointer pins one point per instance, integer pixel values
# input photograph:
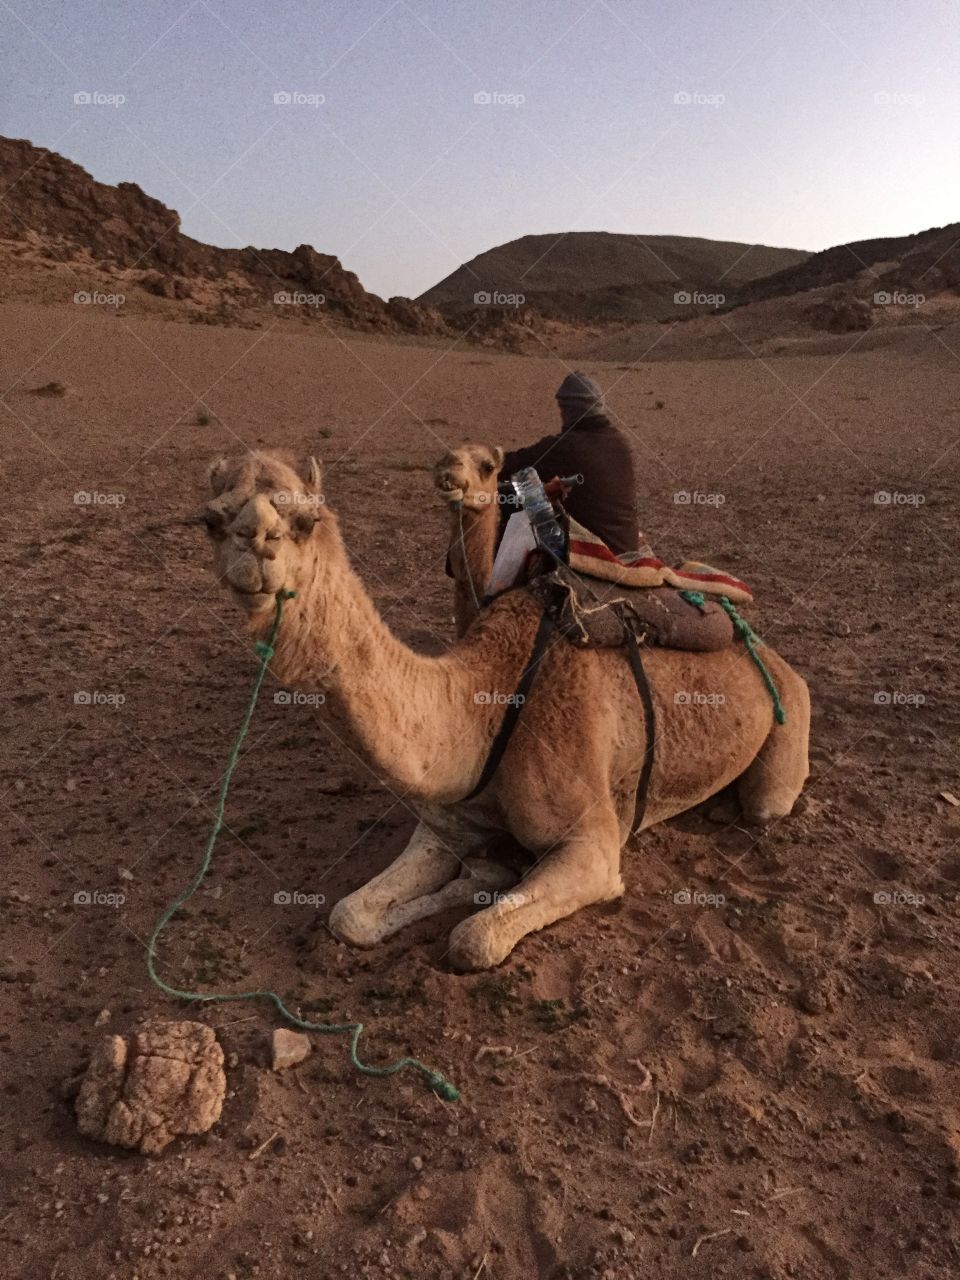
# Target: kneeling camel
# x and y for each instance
(566, 786)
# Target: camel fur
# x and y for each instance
(566, 787)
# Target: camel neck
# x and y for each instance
(410, 717)
(473, 541)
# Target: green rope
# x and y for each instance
(751, 640)
(438, 1083)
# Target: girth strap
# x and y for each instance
(512, 714)
(649, 727)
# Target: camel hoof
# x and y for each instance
(350, 923)
(762, 817)
(474, 945)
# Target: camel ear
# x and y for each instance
(310, 473)
(217, 475)
(498, 456)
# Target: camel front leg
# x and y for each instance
(584, 869)
(363, 917)
(479, 883)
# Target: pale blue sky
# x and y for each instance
(822, 121)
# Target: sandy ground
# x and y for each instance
(795, 1048)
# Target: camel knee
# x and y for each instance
(356, 921)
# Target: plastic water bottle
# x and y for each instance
(539, 509)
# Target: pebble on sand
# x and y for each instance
(289, 1048)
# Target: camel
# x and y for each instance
(565, 790)
(467, 478)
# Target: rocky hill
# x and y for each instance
(925, 262)
(55, 212)
(597, 276)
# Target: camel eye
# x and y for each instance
(274, 535)
(486, 469)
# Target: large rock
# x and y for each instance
(143, 1091)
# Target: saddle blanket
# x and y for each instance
(641, 568)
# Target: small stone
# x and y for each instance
(416, 1163)
(289, 1048)
(950, 798)
(811, 1000)
(102, 1018)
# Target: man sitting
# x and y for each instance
(590, 445)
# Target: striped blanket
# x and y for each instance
(641, 568)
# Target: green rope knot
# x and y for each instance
(438, 1083)
(442, 1087)
(751, 641)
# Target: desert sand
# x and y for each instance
(758, 1082)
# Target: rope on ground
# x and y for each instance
(752, 642)
(437, 1082)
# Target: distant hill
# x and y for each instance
(925, 262)
(596, 276)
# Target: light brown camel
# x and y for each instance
(566, 787)
(467, 478)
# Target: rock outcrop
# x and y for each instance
(143, 1091)
(62, 214)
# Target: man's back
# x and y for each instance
(594, 448)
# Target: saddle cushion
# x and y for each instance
(600, 614)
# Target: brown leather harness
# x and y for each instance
(545, 632)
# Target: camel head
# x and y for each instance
(261, 517)
(469, 474)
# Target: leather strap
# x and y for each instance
(512, 714)
(649, 725)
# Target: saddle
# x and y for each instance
(594, 614)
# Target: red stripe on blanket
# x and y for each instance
(600, 551)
